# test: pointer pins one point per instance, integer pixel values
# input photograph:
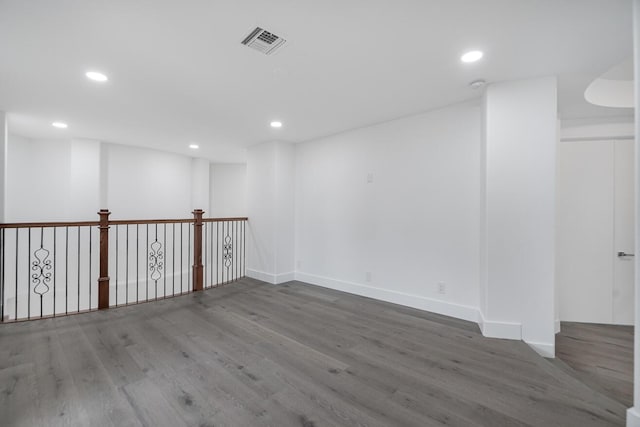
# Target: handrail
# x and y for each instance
(113, 222)
(238, 218)
(48, 224)
(149, 221)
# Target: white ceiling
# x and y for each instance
(178, 73)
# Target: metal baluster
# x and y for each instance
(156, 282)
(164, 266)
(146, 257)
(78, 269)
(117, 259)
(211, 239)
(55, 250)
(217, 251)
(224, 241)
(41, 245)
(137, 262)
(205, 256)
(66, 271)
(173, 262)
(181, 263)
(90, 259)
(235, 249)
(29, 273)
(16, 314)
(189, 289)
(222, 254)
(2, 276)
(126, 262)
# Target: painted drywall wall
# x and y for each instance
(4, 144)
(38, 178)
(604, 128)
(228, 190)
(54, 180)
(84, 178)
(390, 211)
(520, 148)
(270, 207)
(145, 184)
(261, 210)
(200, 181)
(285, 213)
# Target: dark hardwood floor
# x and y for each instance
(252, 354)
(601, 355)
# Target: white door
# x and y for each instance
(595, 202)
(624, 232)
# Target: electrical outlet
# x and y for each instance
(369, 177)
(442, 288)
(367, 276)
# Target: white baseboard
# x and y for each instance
(543, 349)
(285, 277)
(415, 301)
(274, 279)
(633, 417)
(504, 330)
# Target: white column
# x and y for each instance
(4, 136)
(270, 208)
(518, 237)
(633, 414)
(200, 184)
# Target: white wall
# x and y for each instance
(270, 207)
(38, 180)
(388, 211)
(84, 178)
(55, 180)
(228, 190)
(147, 184)
(520, 138)
(200, 180)
(604, 128)
(4, 143)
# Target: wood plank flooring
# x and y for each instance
(253, 354)
(601, 355)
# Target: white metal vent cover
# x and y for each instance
(263, 41)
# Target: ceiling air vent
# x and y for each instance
(263, 41)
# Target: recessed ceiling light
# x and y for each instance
(59, 125)
(194, 146)
(96, 76)
(276, 124)
(471, 56)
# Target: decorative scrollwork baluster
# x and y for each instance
(41, 265)
(156, 261)
(41, 278)
(227, 252)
